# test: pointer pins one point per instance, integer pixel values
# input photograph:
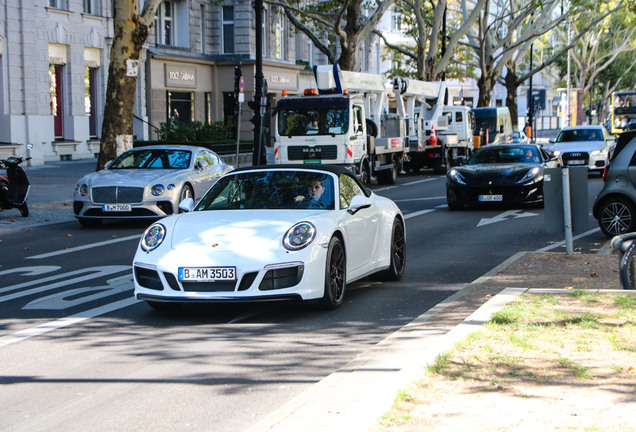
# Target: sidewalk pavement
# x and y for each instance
(50, 198)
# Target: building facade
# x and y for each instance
(54, 57)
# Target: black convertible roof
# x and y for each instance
(334, 169)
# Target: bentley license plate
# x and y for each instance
(490, 198)
(207, 274)
(116, 207)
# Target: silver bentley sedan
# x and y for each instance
(146, 183)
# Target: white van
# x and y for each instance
(496, 121)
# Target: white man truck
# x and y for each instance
(342, 122)
(447, 131)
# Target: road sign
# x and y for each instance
(241, 84)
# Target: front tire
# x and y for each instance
(398, 253)
(617, 216)
(186, 192)
(335, 275)
(24, 210)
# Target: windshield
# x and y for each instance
(270, 190)
(486, 119)
(153, 159)
(496, 155)
(302, 117)
(580, 135)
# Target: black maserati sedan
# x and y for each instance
(508, 173)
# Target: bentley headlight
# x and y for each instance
(456, 176)
(82, 189)
(157, 190)
(153, 237)
(531, 175)
(299, 236)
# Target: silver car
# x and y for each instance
(146, 183)
(615, 205)
(583, 146)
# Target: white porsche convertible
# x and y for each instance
(271, 233)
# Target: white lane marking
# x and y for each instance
(31, 271)
(406, 184)
(510, 214)
(418, 213)
(561, 243)
(75, 297)
(88, 246)
(420, 199)
(66, 321)
(93, 273)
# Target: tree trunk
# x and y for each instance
(485, 86)
(130, 33)
(349, 44)
(512, 86)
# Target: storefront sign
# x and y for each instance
(177, 76)
(281, 79)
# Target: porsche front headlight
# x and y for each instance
(532, 175)
(456, 176)
(299, 236)
(153, 237)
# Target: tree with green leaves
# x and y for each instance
(424, 23)
(131, 30)
(335, 27)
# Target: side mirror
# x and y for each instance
(461, 160)
(551, 141)
(108, 164)
(201, 164)
(187, 205)
(358, 203)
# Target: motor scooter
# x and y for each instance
(14, 187)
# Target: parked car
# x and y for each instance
(508, 173)
(518, 137)
(615, 205)
(272, 233)
(583, 146)
(146, 183)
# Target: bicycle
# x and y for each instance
(626, 246)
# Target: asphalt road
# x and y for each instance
(77, 352)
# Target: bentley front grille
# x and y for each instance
(117, 195)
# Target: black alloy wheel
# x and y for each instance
(335, 275)
(398, 253)
(616, 216)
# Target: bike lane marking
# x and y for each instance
(66, 321)
(88, 246)
(93, 273)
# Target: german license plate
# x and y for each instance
(207, 274)
(116, 207)
(576, 162)
(490, 198)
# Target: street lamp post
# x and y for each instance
(258, 153)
